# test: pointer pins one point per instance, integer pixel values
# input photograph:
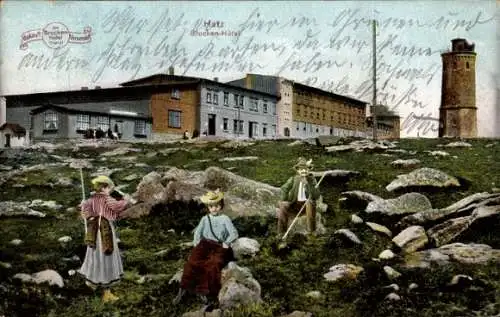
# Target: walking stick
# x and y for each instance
(300, 211)
(83, 197)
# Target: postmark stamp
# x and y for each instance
(55, 35)
(210, 27)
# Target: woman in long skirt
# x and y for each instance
(102, 266)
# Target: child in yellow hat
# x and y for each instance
(212, 240)
(102, 266)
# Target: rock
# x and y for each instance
(314, 294)
(356, 219)
(64, 182)
(332, 174)
(456, 252)
(64, 239)
(460, 279)
(240, 158)
(485, 212)
(329, 140)
(138, 211)
(362, 145)
(343, 271)
(16, 242)
(391, 273)
(423, 177)
(47, 204)
(47, 276)
(386, 255)
(236, 144)
(471, 253)
(351, 236)
(438, 153)
(445, 232)
(201, 313)
(411, 239)
(458, 144)
(405, 163)
(131, 177)
(300, 226)
(404, 204)
(393, 286)
(238, 287)
(119, 152)
(360, 195)
(298, 313)
(393, 297)
(245, 247)
(16, 209)
(379, 228)
(464, 205)
(79, 164)
(150, 189)
(5, 167)
(5, 265)
(412, 286)
(295, 143)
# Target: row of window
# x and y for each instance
(337, 117)
(239, 101)
(238, 127)
(51, 123)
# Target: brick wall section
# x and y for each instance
(187, 104)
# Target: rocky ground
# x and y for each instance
(407, 228)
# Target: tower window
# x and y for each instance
(467, 65)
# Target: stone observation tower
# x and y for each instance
(458, 111)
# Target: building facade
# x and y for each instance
(458, 111)
(211, 108)
(388, 124)
(68, 114)
(12, 135)
(305, 111)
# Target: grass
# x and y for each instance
(286, 276)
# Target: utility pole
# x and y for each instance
(374, 100)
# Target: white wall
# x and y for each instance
(14, 141)
(3, 110)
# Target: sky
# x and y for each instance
(326, 44)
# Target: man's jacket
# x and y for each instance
(290, 190)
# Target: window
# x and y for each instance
(273, 130)
(253, 105)
(236, 101)
(264, 129)
(82, 122)
(264, 108)
(226, 99)
(241, 102)
(225, 124)
(216, 98)
(174, 119)
(255, 128)
(50, 120)
(241, 126)
(103, 123)
(176, 94)
(140, 127)
(467, 65)
(209, 97)
(235, 126)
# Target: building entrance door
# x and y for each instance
(250, 129)
(7, 140)
(211, 124)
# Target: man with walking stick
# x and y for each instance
(299, 192)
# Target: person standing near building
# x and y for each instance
(102, 266)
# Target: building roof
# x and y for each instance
(14, 127)
(241, 81)
(149, 80)
(87, 108)
(111, 90)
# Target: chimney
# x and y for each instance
(171, 70)
(85, 88)
(216, 78)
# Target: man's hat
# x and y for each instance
(102, 179)
(303, 164)
(212, 197)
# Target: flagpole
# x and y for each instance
(374, 100)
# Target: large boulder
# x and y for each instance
(404, 204)
(423, 177)
(411, 239)
(239, 288)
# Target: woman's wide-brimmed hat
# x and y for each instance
(102, 179)
(212, 197)
(303, 164)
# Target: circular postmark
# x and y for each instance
(55, 35)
